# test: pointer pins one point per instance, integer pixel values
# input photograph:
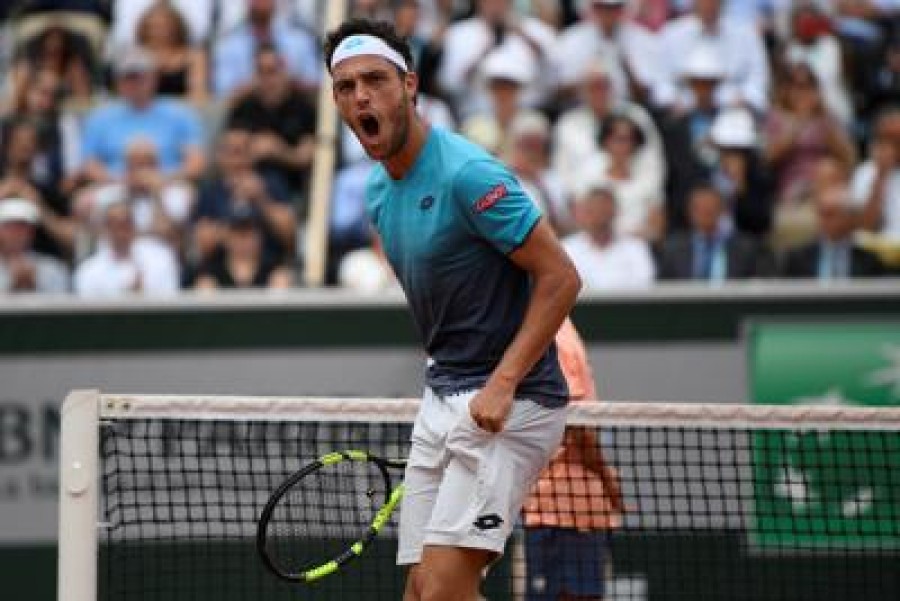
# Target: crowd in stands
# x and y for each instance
(150, 146)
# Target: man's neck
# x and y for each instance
(400, 164)
(602, 239)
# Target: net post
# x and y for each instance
(78, 496)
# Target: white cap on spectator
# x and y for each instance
(134, 60)
(18, 209)
(503, 65)
(734, 128)
(703, 63)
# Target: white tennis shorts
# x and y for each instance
(465, 486)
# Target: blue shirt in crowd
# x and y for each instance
(171, 125)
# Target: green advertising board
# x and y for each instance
(822, 489)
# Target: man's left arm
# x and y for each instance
(555, 286)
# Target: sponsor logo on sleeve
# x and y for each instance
(492, 197)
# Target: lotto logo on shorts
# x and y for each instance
(488, 522)
(490, 199)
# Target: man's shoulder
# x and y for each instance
(169, 108)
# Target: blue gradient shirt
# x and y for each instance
(447, 228)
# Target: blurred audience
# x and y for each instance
(196, 15)
(125, 262)
(22, 268)
(711, 251)
(605, 259)
(496, 26)
(746, 68)
(833, 255)
(242, 262)
(235, 183)
(876, 182)
(801, 130)
(281, 119)
(139, 112)
(181, 69)
(233, 53)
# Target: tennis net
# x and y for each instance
(160, 497)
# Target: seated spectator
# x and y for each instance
(505, 80)
(59, 133)
(235, 183)
(242, 262)
(233, 54)
(795, 222)
(174, 128)
(576, 135)
(196, 14)
(495, 26)
(281, 120)
(639, 192)
(63, 53)
(689, 150)
(812, 43)
(833, 256)
(160, 207)
(881, 90)
(876, 182)
(710, 251)
(425, 46)
(125, 263)
(22, 268)
(746, 78)
(740, 174)
(801, 131)
(349, 228)
(527, 152)
(56, 230)
(629, 50)
(606, 260)
(181, 69)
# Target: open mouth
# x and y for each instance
(369, 125)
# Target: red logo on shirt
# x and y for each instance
(490, 199)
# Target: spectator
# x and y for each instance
(235, 183)
(740, 174)
(813, 44)
(160, 207)
(170, 125)
(639, 192)
(505, 80)
(63, 53)
(56, 164)
(125, 262)
(181, 69)
(495, 26)
(233, 54)
(801, 131)
(628, 48)
(281, 120)
(689, 150)
(876, 182)
(882, 83)
(425, 46)
(746, 78)
(576, 135)
(606, 260)
(242, 262)
(350, 227)
(795, 222)
(527, 152)
(22, 268)
(197, 15)
(710, 251)
(56, 231)
(833, 256)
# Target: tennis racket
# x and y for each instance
(326, 514)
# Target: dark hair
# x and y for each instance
(182, 35)
(380, 29)
(609, 124)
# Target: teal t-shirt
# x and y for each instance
(447, 228)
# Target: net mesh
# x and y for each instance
(674, 507)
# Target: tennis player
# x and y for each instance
(488, 286)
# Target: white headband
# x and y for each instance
(364, 44)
